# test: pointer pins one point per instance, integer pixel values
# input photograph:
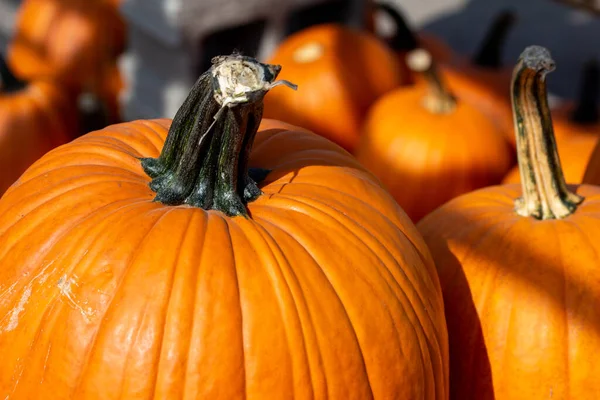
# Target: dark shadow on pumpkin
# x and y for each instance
(542, 22)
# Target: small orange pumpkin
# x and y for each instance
(519, 268)
(427, 146)
(74, 41)
(576, 127)
(36, 117)
(340, 71)
(134, 272)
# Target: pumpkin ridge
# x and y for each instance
(330, 284)
(243, 339)
(193, 311)
(176, 264)
(115, 292)
(294, 297)
(386, 276)
(47, 201)
(296, 197)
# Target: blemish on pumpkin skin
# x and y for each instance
(65, 285)
(13, 320)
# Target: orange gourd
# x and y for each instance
(427, 146)
(519, 268)
(340, 71)
(75, 41)
(36, 117)
(576, 127)
(134, 272)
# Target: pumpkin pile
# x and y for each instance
(356, 217)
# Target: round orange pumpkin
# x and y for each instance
(576, 127)
(36, 117)
(134, 272)
(75, 41)
(427, 146)
(340, 71)
(519, 268)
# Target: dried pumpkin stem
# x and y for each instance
(8, 81)
(439, 100)
(204, 161)
(586, 111)
(545, 193)
(489, 54)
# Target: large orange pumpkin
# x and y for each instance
(576, 127)
(201, 283)
(35, 117)
(340, 72)
(427, 146)
(519, 268)
(75, 41)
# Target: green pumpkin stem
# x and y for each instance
(9, 83)
(404, 38)
(204, 161)
(489, 54)
(586, 111)
(440, 99)
(545, 193)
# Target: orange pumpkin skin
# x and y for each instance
(327, 291)
(340, 72)
(75, 41)
(425, 159)
(34, 120)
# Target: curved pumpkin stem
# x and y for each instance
(9, 83)
(204, 161)
(439, 100)
(489, 54)
(404, 38)
(545, 193)
(586, 111)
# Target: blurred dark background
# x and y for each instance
(171, 41)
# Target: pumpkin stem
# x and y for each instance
(204, 161)
(489, 54)
(9, 83)
(545, 193)
(439, 100)
(404, 38)
(586, 111)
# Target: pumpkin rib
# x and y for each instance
(296, 296)
(167, 305)
(375, 236)
(193, 313)
(409, 305)
(115, 293)
(235, 274)
(328, 281)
